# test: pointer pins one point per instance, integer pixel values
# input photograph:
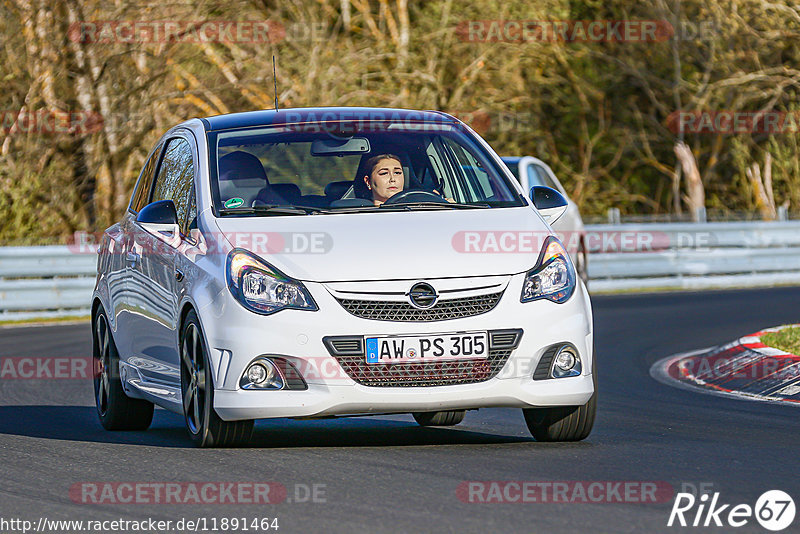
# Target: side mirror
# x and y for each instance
(159, 216)
(550, 203)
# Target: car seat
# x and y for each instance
(241, 175)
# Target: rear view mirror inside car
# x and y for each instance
(340, 147)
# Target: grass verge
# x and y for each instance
(787, 339)
(46, 320)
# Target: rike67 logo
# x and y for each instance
(774, 510)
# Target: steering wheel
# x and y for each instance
(412, 196)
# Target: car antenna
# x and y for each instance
(275, 82)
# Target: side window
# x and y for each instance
(477, 176)
(145, 181)
(176, 180)
(472, 176)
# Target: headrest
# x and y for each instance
(242, 167)
(336, 190)
(290, 192)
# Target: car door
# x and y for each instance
(125, 258)
(154, 283)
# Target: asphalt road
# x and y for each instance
(389, 475)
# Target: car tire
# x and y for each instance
(564, 423)
(115, 409)
(197, 394)
(449, 418)
(561, 423)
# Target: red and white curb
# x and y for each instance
(744, 369)
(753, 342)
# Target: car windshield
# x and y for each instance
(324, 168)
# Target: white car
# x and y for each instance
(530, 171)
(337, 261)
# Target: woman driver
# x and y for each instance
(384, 177)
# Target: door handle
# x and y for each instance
(178, 275)
(132, 258)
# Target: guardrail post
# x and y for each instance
(614, 216)
(700, 214)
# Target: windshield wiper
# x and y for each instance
(410, 206)
(274, 209)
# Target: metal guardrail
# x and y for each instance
(57, 281)
(50, 261)
(42, 282)
(642, 257)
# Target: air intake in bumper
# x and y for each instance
(349, 352)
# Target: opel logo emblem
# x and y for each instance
(422, 295)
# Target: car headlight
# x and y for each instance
(553, 278)
(262, 288)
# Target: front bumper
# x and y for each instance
(321, 400)
(235, 336)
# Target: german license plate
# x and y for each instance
(430, 348)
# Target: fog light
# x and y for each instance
(258, 374)
(566, 363)
(262, 374)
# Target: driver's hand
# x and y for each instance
(452, 201)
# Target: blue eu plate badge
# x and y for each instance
(372, 350)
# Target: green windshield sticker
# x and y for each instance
(234, 202)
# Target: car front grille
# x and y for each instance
(349, 352)
(425, 374)
(389, 310)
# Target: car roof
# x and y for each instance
(323, 114)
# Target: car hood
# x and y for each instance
(393, 245)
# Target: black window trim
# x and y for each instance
(189, 137)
